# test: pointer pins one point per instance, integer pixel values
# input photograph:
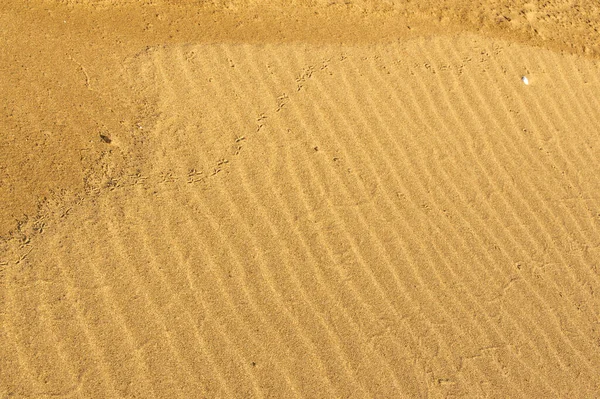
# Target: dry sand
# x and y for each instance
(318, 199)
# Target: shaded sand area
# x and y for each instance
(317, 200)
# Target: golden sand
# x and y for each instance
(315, 199)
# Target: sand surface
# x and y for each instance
(312, 199)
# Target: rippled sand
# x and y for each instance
(299, 199)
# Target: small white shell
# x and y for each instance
(525, 80)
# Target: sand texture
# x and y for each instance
(299, 199)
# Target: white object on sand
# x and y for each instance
(525, 80)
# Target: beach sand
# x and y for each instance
(313, 199)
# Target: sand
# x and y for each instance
(315, 199)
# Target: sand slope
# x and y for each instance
(385, 219)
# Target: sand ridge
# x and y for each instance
(362, 218)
